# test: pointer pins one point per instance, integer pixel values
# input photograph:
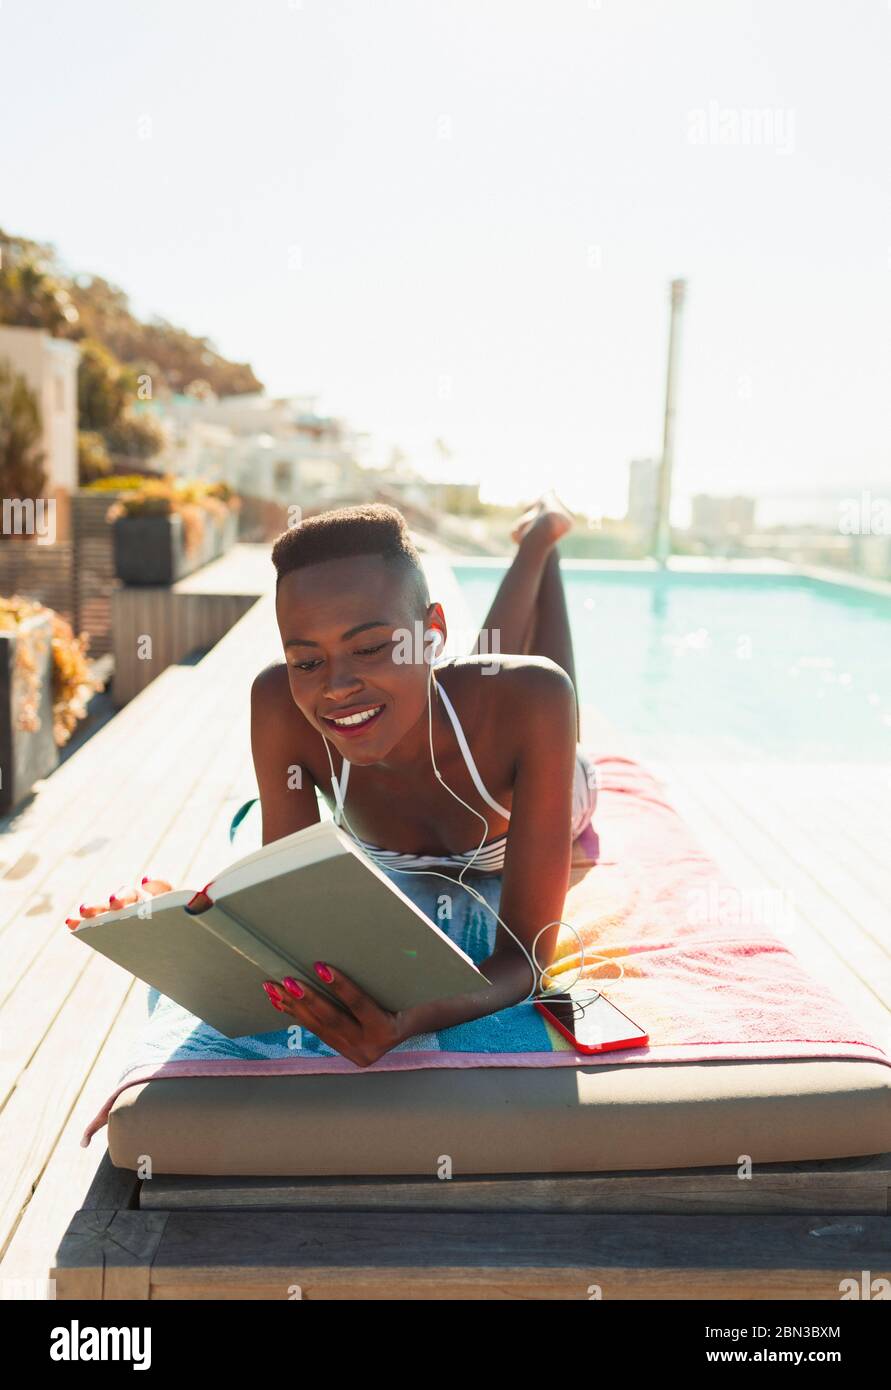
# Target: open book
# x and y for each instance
(310, 896)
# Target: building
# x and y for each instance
(643, 495)
(49, 366)
(277, 449)
(717, 519)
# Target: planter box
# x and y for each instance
(25, 757)
(151, 550)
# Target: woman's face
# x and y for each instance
(352, 635)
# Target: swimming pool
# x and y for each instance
(726, 666)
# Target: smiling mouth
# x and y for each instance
(352, 724)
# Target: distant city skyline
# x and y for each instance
(458, 223)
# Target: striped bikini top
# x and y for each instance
(490, 858)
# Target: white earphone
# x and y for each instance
(435, 635)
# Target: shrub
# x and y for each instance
(21, 462)
(103, 386)
(73, 682)
(135, 437)
(93, 463)
(117, 482)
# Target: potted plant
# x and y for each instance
(45, 682)
(166, 528)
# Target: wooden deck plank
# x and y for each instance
(180, 763)
(852, 1185)
(194, 787)
(722, 833)
(35, 1115)
(851, 838)
(856, 951)
(48, 822)
(74, 1176)
(813, 846)
(35, 1243)
(479, 1255)
(59, 884)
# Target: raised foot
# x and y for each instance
(548, 516)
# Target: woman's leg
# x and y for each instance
(510, 621)
(551, 635)
(528, 614)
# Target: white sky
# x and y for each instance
(402, 205)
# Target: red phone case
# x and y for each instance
(605, 1047)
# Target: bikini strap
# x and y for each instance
(342, 786)
(468, 756)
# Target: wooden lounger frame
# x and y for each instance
(791, 1231)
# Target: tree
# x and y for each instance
(137, 437)
(92, 457)
(22, 473)
(32, 294)
(103, 386)
(38, 291)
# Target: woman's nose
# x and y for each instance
(342, 680)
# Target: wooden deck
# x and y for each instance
(154, 791)
(806, 848)
(180, 618)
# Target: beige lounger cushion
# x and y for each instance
(506, 1120)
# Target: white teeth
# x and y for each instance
(359, 718)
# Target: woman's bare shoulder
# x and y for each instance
(274, 715)
(270, 690)
(520, 673)
(526, 687)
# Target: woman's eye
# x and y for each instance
(360, 651)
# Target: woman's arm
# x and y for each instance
(538, 860)
(287, 791)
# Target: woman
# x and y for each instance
(356, 710)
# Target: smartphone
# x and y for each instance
(590, 1021)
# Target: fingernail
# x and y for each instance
(146, 879)
(81, 908)
(323, 972)
(72, 922)
(272, 994)
(293, 987)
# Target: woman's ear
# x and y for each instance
(436, 630)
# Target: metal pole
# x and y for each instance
(662, 545)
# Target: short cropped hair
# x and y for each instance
(371, 528)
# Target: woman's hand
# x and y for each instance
(149, 888)
(363, 1035)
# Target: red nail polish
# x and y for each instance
(323, 972)
(293, 988)
(272, 994)
(146, 879)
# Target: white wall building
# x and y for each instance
(49, 365)
(643, 494)
(278, 449)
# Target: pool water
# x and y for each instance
(726, 666)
